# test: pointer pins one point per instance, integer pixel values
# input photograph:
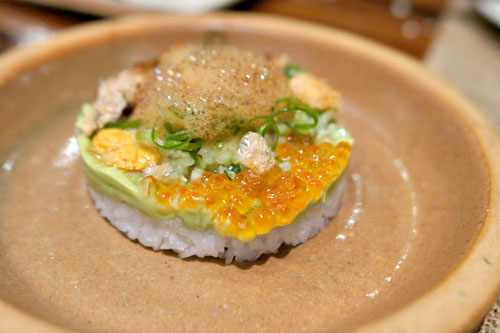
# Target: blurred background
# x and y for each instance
(457, 39)
(405, 24)
(408, 25)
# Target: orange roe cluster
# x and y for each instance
(252, 204)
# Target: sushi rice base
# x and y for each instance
(173, 234)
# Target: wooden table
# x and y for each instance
(407, 25)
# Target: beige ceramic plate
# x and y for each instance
(414, 247)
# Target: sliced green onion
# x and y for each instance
(259, 117)
(291, 105)
(123, 124)
(272, 123)
(232, 170)
(181, 140)
(312, 113)
(297, 105)
(289, 101)
(179, 136)
(291, 70)
(191, 146)
(196, 157)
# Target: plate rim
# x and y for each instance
(110, 8)
(482, 6)
(443, 307)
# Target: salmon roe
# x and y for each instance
(252, 204)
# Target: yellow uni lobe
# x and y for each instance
(118, 148)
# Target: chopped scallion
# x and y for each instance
(232, 170)
(123, 124)
(290, 105)
(291, 70)
(181, 140)
(196, 157)
(271, 123)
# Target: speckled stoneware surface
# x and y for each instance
(411, 248)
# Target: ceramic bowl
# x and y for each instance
(415, 246)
